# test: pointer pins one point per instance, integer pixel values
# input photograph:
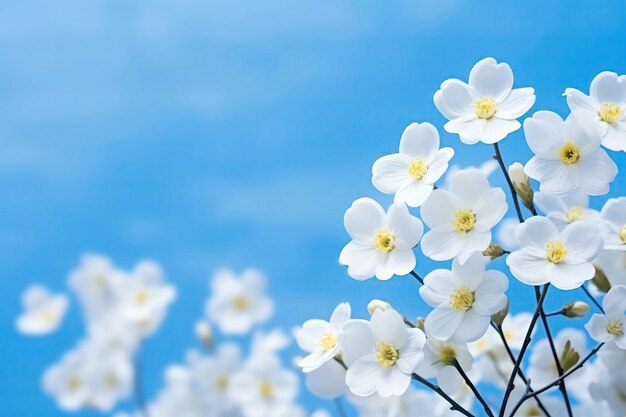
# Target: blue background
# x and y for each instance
(234, 133)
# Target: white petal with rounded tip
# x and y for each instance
(491, 79)
(442, 246)
(614, 302)
(577, 100)
(414, 195)
(583, 241)
(567, 276)
(404, 226)
(362, 376)
(419, 140)
(516, 104)
(597, 171)
(469, 273)
(438, 211)
(390, 173)
(527, 268)
(475, 241)
(469, 186)
(583, 131)
(490, 209)
(363, 218)
(443, 322)
(549, 203)
(438, 286)
(438, 165)
(533, 234)
(554, 177)
(542, 137)
(489, 296)
(597, 328)
(614, 211)
(615, 137)
(388, 326)
(473, 326)
(455, 99)
(608, 87)
(361, 260)
(392, 382)
(328, 381)
(470, 131)
(340, 316)
(497, 129)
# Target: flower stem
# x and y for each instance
(454, 405)
(140, 399)
(417, 277)
(520, 357)
(471, 386)
(498, 157)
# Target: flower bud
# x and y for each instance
(521, 182)
(378, 305)
(493, 251)
(575, 309)
(569, 357)
(419, 323)
(499, 317)
(204, 333)
(601, 281)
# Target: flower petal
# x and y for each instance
(363, 218)
(455, 99)
(419, 140)
(491, 79)
(608, 87)
(516, 104)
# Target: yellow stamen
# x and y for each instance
(241, 303)
(575, 214)
(462, 298)
(418, 168)
(485, 107)
(386, 354)
(384, 240)
(266, 389)
(622, 234)
(221, 382)
(615, 328)
(447, 355)
(610, 112)
(141, 296)
(556, 251)
(569, 153)
(327, 341)
(533, 411)
(73, 382)
(464, 220)
(111, 380)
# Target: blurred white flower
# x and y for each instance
(464, 299)
(609, 327)
(542, 369)
(204, 332)
(505, 234)
(412, 173)
(439, 358)
(487, 168)
(321, 413)
(328, 381)
(319, 338)
(567, 209)
(382, 243)
(43, 311)
(614, 218)
(610, 391)
(486, 109)
(387, 350)
(269, 342)
(568, 156)
(237, 304)
(605, 105)
(462, 217)
(530, 407)
(413, 403)
(549, 256)
(263, 388)
(613, 265)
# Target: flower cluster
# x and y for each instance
(469, 338)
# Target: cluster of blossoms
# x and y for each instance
(469, 338)
(122, 308)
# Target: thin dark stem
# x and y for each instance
(417, 277)
(454, 405)
(560, 379)
(498, 158)
(555, 355)
(520, 357)
(471, 386)
(592, 298)
(140, 398)
(520, 373)
(340, 408)
(555, 313)
(341, 362)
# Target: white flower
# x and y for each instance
(67, 383)
(464, 299)
(412, 173)
(613, 264)
(461, 218)
(328, 381)
(610, 391)
(567, 154)
(263, 387)
(487, 108)
(505, 234)
(319, 338)
(614, 218)
(605, 105)
(530, 407)
(382, 243)
(269, 342)
(562, 259)
(413, 403)
(43, 311)
(237, 304)
(609, 327)
(542, 369)
(439, 356)
(387, 350)
(613, 357)
(567, 209)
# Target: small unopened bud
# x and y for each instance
(569, 357)
(499, 317)
(575, 309)
(419, 323)
(378, 305)
(493, 251)
(601, 281)
(204, 333)
(521, 182)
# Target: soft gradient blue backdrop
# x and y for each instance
(236, 133)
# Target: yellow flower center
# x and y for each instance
(111, 380)
(622, 234)
(509, 335)
(327, 341)
(221, 382)
(555, 251)
(73, 382)
(462, 298)
(266, 390)
(610, 112)
(386, 354)
(418, 168)
(615, 328)
(533, 411)
(464, 220)
(241, 303)
(569, 153)
(141, 296)
(575, 214)
(384, 240)
(447, 355)
(49, 316)
(485, 107)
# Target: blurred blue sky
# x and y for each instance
(235, 133)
